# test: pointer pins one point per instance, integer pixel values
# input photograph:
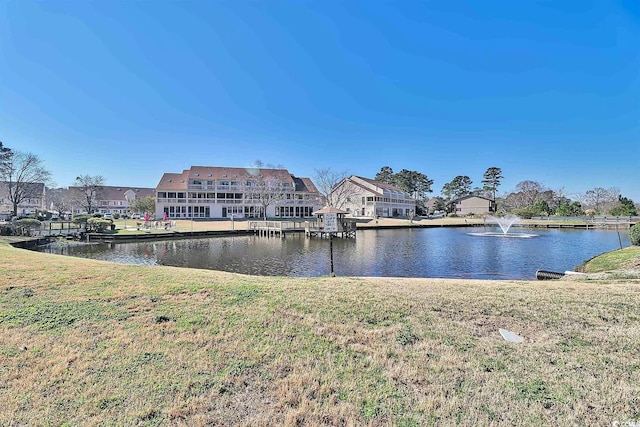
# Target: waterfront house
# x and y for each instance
(226, 192)
(367, 197)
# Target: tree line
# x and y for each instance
(20, 172)
(530, 198)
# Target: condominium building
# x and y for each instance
(473, 205)
(367, 197)
(118, 200)
(222, 192)
(107, 199)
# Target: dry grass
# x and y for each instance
(85, 342)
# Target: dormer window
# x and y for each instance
(169, 180)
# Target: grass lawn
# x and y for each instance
(86, 342)
(627, 258)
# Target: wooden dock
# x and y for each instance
(346, 229)
(311, 228)
(276, 228)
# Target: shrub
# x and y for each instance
(81, 219)
(98, 224)
(27, 224)
(634, 234)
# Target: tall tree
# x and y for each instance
(5, 155)
(385, 175)
(626, 207)
(413, 182)
(22, 174)
(491, 180)
(460, 186)
(58, 199)
(88, 191)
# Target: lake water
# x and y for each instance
(420, 252)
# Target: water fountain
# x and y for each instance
(505, 224)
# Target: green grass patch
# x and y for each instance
(627, 258)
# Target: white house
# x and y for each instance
(222, 192)
(367, 197)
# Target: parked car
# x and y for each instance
(135, 216)
(108, 216)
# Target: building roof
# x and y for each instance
(329, 209)
(118, 193)
(33, 190)
(470, 196)
(381, 184)
(173, 181)
(180, 181)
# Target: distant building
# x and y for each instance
(367, 197)
(223, 192)
(35, 200)
(476, 205)
(110, 199)
(118, 200)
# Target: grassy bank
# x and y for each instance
(625, 259)
(85, 342)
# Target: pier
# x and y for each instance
(276, 228)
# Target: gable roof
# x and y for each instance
(381, 184)
(470, 196)
(119, 193)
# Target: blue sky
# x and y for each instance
(546, 90)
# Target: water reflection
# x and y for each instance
(438, 252)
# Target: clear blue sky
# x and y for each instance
(546, 90)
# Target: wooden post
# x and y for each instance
(331, 251)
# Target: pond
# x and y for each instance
(419, 252)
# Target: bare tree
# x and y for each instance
(87, 191)
(601, 200)
(266, 190)
(530, 192)
(58, 199)
(25, 177)
(335, 188)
